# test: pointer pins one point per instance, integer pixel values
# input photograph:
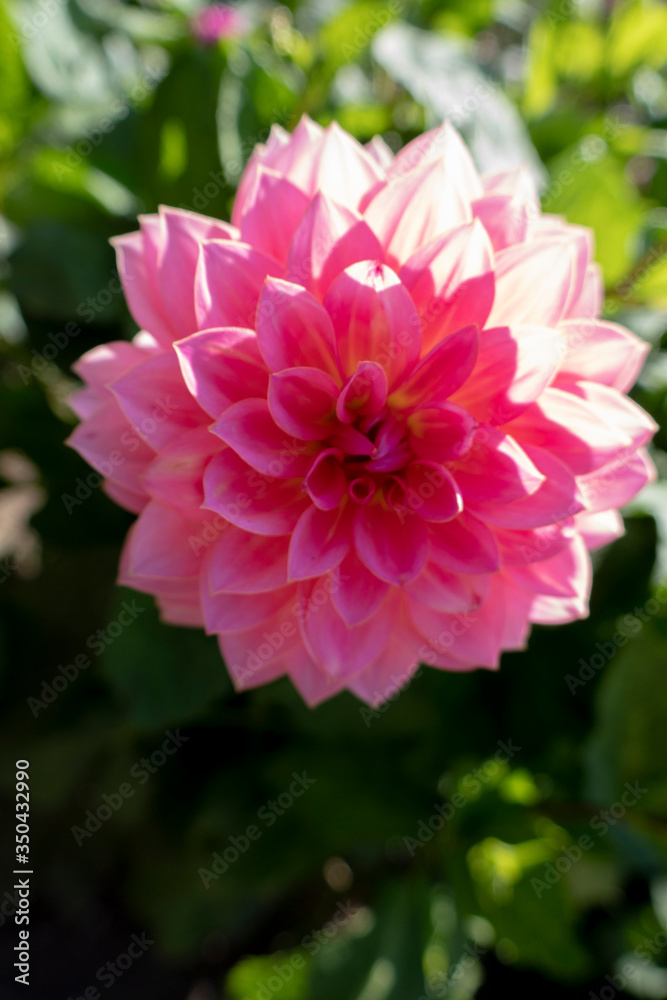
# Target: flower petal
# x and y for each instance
(414, 208)
(356, 592)
(392, 545)
(329, 238)
(294, 330)
(463, 545)
(432, 491)
(302, 402)
(441, 433)
(249, 428)
(534, 281)
(221, 367)
(444, 370)
(514, 366)
(495, 469)
(272, 213)
(184, 233)
(243, 563)
(229, 279)
(601, 352)
(451, 281)
(320, 541)
(249, 500)
(374, 320)
(155, 400)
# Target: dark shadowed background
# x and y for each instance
(485, 834)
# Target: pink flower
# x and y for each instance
(372, 423)
(215, 21)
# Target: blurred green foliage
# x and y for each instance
(422, 862)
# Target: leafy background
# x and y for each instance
(108, 108)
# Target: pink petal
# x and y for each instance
(341, 649)
(320, 541)
(329, 238)
(513, 368)
(183, 608)
(311, 681)
(233, 612)
(451, 281)
(618, 411)
(108, 443)
(575, 430)
(302, 401)
(221, 367)
(616, 483)
(107, 362)
(601, 352)
(557, 499)
(251, 431)
(229, 279)
(414, 208)
(441, 433)
(432, 492)
(260, 654)
(130, 500)
(472, 636)
(174, 477)
(441, 145)
(522, 294)
(356, 592)
(364, 393)
(567, 574)
(243, 563)
(495, 469)
(336, 164)
(463, 545)
(444, 370)
(590, 300)
(380, 151)
(389, 673)
(600, 528)
(326, 482)
(521, 547)
(184, 234)
(272, 213)
(157, 546)
(505, 218)
(257, 503)
(374, 320)
(155, 400)
(442, 590)
(393, 545)
(140, 286)
(294, 330)
(267, 154)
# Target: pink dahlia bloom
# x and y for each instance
(371, 423)
(215, 21)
